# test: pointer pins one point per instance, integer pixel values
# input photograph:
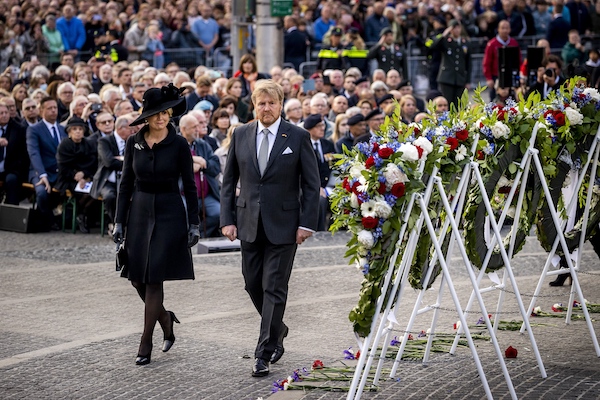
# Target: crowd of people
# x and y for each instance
(75, 75)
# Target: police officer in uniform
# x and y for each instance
(434, 57)
(455, 72)
(389, 55)
(330, 57)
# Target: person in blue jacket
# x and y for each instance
(71, 30)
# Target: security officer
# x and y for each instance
(388, 54)
(330, 57)
(455, 71)
(434, 57)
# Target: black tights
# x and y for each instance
(152, 295)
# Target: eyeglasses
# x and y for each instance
(29, 108)
(106, 122)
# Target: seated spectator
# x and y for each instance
(340, 128)
(139, 88)
(441, 105)
(202, 92)
(14, 161)
(110, 163)
(65, 93)
(408, 108)
(229, 103)
(203, 132)
(77, 162)
(248, 74)
(43, 139)
(29, 112)
(206, 169)
(110, 98)
(76, 110)
(293, 111)
(357, 128)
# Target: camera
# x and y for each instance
(95, 109)
(549, 72)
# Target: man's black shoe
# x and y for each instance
(279, 350)
(260, 367)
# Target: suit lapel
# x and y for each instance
(251, 138)
(48, 136)
(278, 146)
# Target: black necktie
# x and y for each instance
(55, 134)
(317, 153)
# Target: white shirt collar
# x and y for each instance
(274, 128)
(49, 125)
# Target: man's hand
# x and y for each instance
(82, 183)
(490, 83)
(323, 193)
(3, 142)
(230, 232)
(78, 176)
(200, 161)
(302, 235)
(44, 181)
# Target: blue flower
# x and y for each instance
(365, 269)
(348, 355)
(394, 341)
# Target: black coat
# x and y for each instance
(328, 150)
(150, 205)
(16, 160)
(74, 157)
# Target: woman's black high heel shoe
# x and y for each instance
(560, 280)
(169, 340)
(143, 360)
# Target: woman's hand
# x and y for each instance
(193, 235)
(78, 176)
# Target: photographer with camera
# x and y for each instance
(549, 77)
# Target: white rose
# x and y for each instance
(461, 153)
(409, 152)
(360, 263)
(574, 116)
(382, 208)
(356, 170)
(439, 131)
(366, 239)
(367, 209)
(424, 144)
(500, 130)
(594, 94)
(504, 182)
(354, 201)
(394, 175)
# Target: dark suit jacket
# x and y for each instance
(213, 165)
(42, 148)
(558, 33)
(107, 163)
(192, 99)
(539, 87)
(285, 197)
(17, 159)
(328, 148)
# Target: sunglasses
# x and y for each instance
(107, 122)
(29, 108)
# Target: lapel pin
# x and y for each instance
(284, 134)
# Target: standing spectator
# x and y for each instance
(542, 17)
(295, 42)
(330, 57)
(514, 17)
(389, 55)
(14, 161)
(248, 74)
(350, 90)
(206, 29)
(375, 23)
(54, 38)
(339, 105)
(580, 16)
(183, 38)
(117, 51)
(65, 93)
(490, 57)
(323, 23)
(202, 92)
(573, 49)
(35, 43)
(125, 87)
(455, 72)
(13, 53)
(72, 30)
(293, 111)
(220, 122)
(135, 39)
(155, 47)
(42, 142)
(222, 58)
(558, 30)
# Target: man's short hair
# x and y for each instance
(123, 70)
(46, 99)
(123, 121)
(203, 81)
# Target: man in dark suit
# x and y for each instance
(276, 210)
(202, 92)
(42, 142)
(324, 150)
(139, 88)
(111, 148)
(558, 29)
(14, 161)
(295, 42)
(549, 77)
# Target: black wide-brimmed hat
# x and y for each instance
(156, 100)
(76, 121)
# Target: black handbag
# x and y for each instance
(121, 259)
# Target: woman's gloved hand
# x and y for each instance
(193, 235)
(118, 234)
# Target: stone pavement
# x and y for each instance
(70, 328)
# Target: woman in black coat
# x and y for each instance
(161, 228)
(77, 163)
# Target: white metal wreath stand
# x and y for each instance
(560, 238)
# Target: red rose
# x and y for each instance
(355, 187)
(548, 112)
(511, 352)
(419, 150)
(375, 147)
(357, 356)
(346, 211)
(452, 142)
(480, 155)
(370, 222)
(513, 110)
(318, 364)
(560, 118)
(481, 125)
(382, 188)
(501, 113)
(385, 152)
(462, 135)
(346, 184)
(398, 189)
(417, 131)
(370, 162)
